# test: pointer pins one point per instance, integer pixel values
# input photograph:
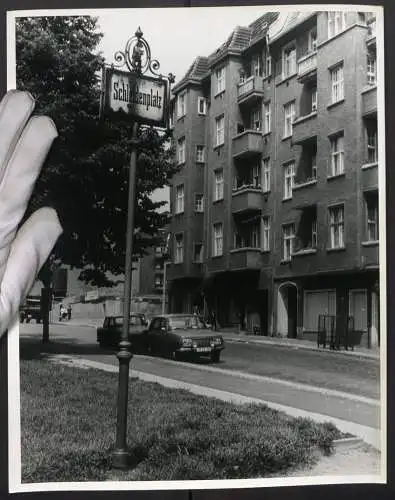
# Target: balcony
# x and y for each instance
(304, 127)
(246, 258)
(369, 101)
(248, 143)
(371, 38)
(184, 270)
(369, 177)
(370, 254)
(307, 67)
(247, 199)
(250, 91)
(302, 248)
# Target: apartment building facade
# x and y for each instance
(275, 208)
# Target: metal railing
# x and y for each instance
(307, 63)
(245, 87)
(331, 336)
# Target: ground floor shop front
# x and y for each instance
(287, 307)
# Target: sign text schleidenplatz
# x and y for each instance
(140, 96)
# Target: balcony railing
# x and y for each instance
(252, 86)
(247, 186)
(301, 247)
(306, 181)
(247, 143)
(307, 64)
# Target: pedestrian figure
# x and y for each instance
(213, 321)
(62, 312)
(69, 312)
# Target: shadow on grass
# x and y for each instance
(34, 348)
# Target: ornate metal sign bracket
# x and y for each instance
(137, 57)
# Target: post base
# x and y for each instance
(121, 459)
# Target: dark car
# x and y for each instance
(109, 335)
(178, 335)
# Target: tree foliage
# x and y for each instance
(85, 177)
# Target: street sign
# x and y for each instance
(91, 295)
(129, 96)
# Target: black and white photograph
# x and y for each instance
(192, 247)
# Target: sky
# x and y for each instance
(176, 35)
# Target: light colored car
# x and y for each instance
(178, 335)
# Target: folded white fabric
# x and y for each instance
(24, 145)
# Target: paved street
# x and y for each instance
(327, 383)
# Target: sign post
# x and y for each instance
(132, 96)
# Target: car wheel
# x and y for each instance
(215, 356)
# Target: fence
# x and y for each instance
(333, 337)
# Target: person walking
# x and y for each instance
(69, 312)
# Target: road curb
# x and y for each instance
(301, 346)
(349, 443)
(366, 434)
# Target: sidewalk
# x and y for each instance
(233, 336)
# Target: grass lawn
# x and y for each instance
(68, 421)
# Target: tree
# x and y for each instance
(85, 177)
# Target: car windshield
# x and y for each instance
(185, 322)
(133, 321)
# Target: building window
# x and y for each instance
(256, 66)
(337, 155)
(371, 141)
(268, 66)
(289, 61)
(314, 99)
(201, 106)
(200, 153)
(266, 174)
(198, 202)
(312, 41)
(266, 117)
(336, 23)
(289, 117)
(265, 234)
(180, 199)
(179, 253)
(219, 130)
(220, 80)
(218, 239)
(256, 123)
(182, 105)
(337, 84)
(372, 216)
(289, 180)
(288, 241)
(181, 151)
(219, 185)
(336, 226)
(371, 67)
(358, 309)
(198, 253)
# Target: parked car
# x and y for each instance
(109, 335)
(178, 335)
(31, 309)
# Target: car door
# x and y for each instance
(163, 338)
(153, 335)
